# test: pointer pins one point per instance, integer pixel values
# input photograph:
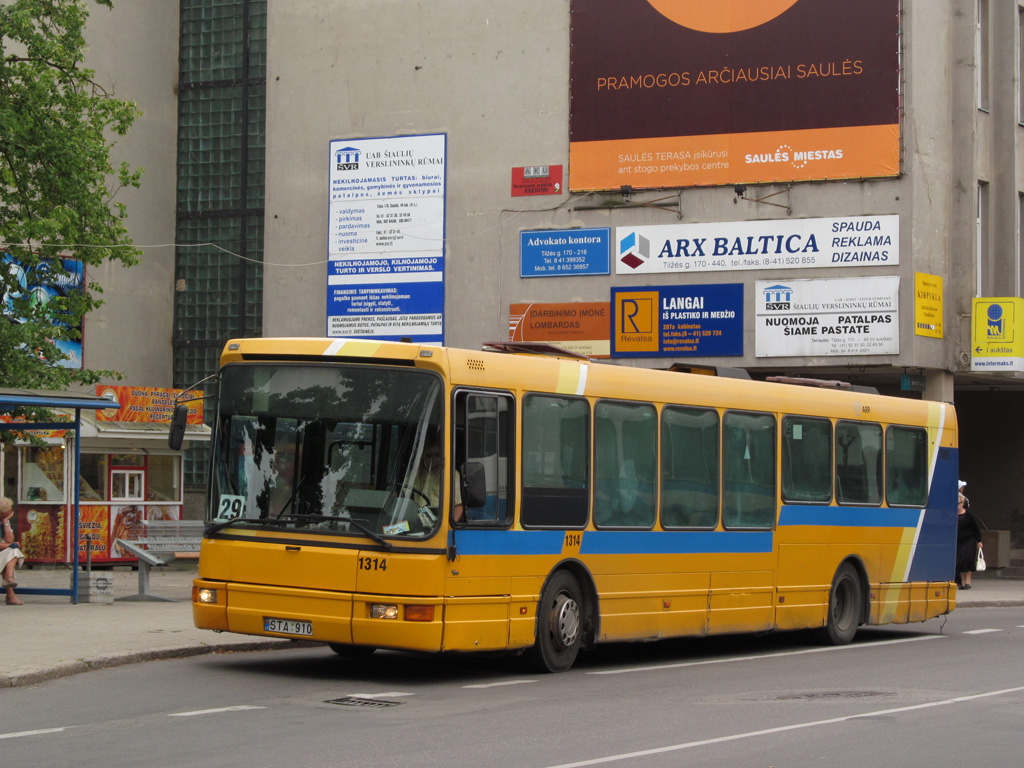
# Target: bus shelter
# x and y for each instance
(13, 398)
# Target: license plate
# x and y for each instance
(287, 626)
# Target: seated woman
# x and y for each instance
(10, 553)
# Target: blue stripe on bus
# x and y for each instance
(849, 517)
(675, 542)
(477, 542)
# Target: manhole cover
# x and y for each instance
(355, 701)
(809, 695)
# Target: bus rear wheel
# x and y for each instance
(559, 624)
(845, 607)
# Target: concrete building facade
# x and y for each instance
(495, 79)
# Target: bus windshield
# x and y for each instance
(333, 449)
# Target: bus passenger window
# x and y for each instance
(806, 459)
(483, 436)
(906, 466)
(689, 467)
(748, 470)
(858, 463)
(625, 456)
(555, 467)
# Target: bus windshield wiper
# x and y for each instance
(337, 518)
(219, 524)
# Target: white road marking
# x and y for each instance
(783, 729)
(388, 695)
(238, 708)
(19, 734)
(495, 685)
(981, 631)
(681, 664)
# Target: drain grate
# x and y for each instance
(355, 701)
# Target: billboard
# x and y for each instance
(827, 318)
(43, 282)
(578, 326)
(678, 93)
(565, 252)
(997, 337)
(849, 241)
(385, 268)
(678, 321)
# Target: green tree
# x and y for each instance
(57, 187)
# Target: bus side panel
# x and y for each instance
(652, 603)
(741, 601)
(476, 623)
(803, 585)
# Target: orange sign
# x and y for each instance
(147, 404)
(639, 327)
(582, 327)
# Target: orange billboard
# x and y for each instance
(583, 327)
(732, 92)
(147, 404)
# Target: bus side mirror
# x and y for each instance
(474, 485)
(178, 421)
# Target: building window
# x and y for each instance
(982, 266)
(982, 54)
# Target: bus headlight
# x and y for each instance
(383, 611)
(204, 595)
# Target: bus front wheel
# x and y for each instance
(845, 607)
(559, 624)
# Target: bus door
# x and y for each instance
(478, 613)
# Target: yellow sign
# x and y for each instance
(997, 339)
(927, 305)
(637, 321)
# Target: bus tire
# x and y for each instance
(559, 624)
(845, 607)
(352, 651)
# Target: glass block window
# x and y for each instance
(220, 187)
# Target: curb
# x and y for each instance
(69, 668)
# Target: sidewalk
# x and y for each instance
(50, 637)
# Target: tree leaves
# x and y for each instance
(57, 183)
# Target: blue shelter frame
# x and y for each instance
(12, 398)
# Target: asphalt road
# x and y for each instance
(947, 692)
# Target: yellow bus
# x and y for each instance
(573, 502)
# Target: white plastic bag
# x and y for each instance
(981, 561)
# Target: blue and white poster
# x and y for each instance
(678, 321)
(385, 273)
(565, 252)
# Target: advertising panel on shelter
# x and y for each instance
(385, 271)
(997, 338)
(849, 241)
(582, 327)
(825, 318)
(674, 93)
(678, 321)
(153, 405)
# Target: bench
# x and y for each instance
(178, 538)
